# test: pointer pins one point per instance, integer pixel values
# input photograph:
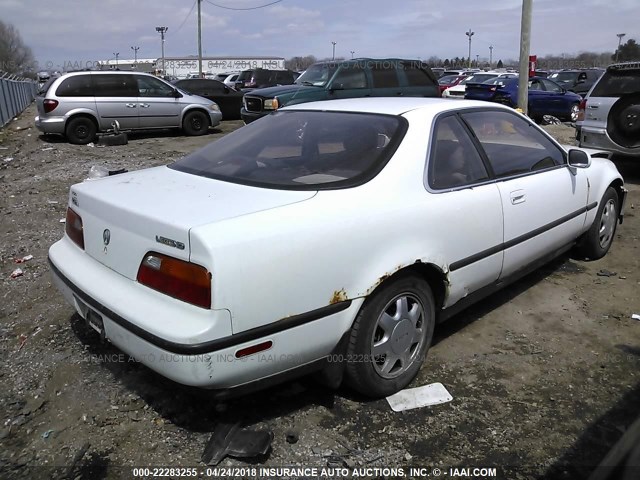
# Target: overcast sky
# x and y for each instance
(63, 31)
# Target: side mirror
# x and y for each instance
(226, 89)
(579, 158)
(177, 94)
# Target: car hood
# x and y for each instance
(271, 92)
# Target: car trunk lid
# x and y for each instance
(127, 215)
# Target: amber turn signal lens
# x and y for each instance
(185, 281)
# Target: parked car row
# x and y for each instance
(545, 97)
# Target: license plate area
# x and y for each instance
(94, 320)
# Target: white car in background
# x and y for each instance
(327, 236)
(230, 80)
(457, 91)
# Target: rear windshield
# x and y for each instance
(301, 150)
(615, 83)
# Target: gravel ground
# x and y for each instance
(544, 375)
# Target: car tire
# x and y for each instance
(390, 337)
(595, 243)
(81, 130)
(574, 111)
(623, 122)
(195, 123)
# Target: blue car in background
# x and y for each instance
(545, 97)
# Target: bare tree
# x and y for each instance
(15, 56)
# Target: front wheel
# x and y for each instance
(195, 123)
(596, 242)
(390, 337)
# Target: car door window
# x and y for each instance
(351, 76)
(113, 85)
(535, 85)
(550, 86)
(512, 144)
(384, 75)
(152, 87)
(416, 76)
(454, 159)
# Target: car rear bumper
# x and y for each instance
(598, 138)
(204, 353)
(50, 125)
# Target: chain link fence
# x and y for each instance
(16, 94)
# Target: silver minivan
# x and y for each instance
(81, 104)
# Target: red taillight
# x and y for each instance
(49, 105)
(185, 281)
(583, 108)
(73, 227)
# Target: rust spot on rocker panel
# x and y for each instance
(338, 296)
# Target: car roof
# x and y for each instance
(394, 106)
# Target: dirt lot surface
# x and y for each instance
(545, 375)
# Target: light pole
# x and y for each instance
(477, 60)
(116, 55)
(490, 56)
(333, 56)
(135, 54)
(619, 35)
(352, 52)
(162, 31)
(469, 34)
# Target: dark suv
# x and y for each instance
(261, 78)
(609, 117)
(362, 77)
(578, 81)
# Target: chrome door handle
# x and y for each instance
(131, 105)
(144, 105)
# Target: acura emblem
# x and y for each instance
(106, 236)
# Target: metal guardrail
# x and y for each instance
(16, 94)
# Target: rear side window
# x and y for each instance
(417, 77)
(350, 76)
(111, 85)
(454, 160)
(384, 75)
(615, 83)
(513, 146)
(76, 86)
(301, 150)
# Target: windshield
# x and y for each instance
(317, 75)
(477, 78)
(300, 150)
(500, 81)
(563, 77)
(446, 80)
